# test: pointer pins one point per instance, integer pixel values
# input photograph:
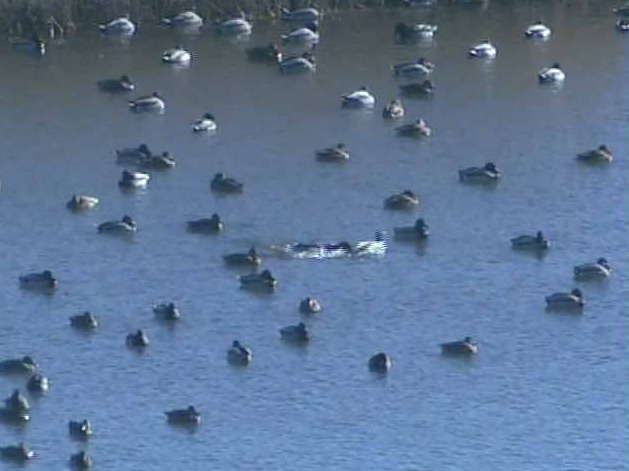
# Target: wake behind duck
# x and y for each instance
(343, 249)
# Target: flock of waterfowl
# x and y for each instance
(16, 407)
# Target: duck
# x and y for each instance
(211, 225)
(177, 55)
(156, 162)
(167, 311)
(298, 64)
(380, 363)
(18, 365)
(188, 416)
(622, 10)
(529, 242)
(138, 339)
(417, 129)
(185, 19)
(80, 429)
(85, 321)
(307, 35)
(422, 89)
(268, 53)
(310, 306)
(235, 27)
(622, 25)
(116, 85)
(132, 155)
(39, 281)
(222, 184)
(302, 15)
(125, 226)
(17, 404)
(360, 98)
(148, 103)
(34, 45)
(414, 32)
(594, 270)
(485, 50)
(122, 26)
(601, 155)
(393, 110)
(488, 173)
(464, 347)
(38, 384)
(566, 301)
(418, 231)
(537, 31)
(250, 259)
(238, 354)
(552, 74)
(206, 123)
(338, 153)
(134, 179)
(82, 203)
(295, 333)
(404, 200)
(16, 452)
(81, 460)
(418, 68)
(264, 281)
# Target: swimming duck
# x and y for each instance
(268, 53)
(132, 155)
(235, 27)
(122, 84)
(393, 110)
(418, 231)
(339, 153)
(414, 32)
(185, 19)
(18, 365)
(418, 68)
(489, 173)
(302, 15)
(622, 25)
(552, 74)
(239, 355)
(85, 321)
(467, 346)
(188, 416)
(299, 64)
(537, 31)
(125, 226)
(307, 35)
(210, 225)
(34, 46)
(295, 333)
(529, 242)
(417, 129)
(251, 258)
(81, 460)
(38, 384)
(602, 155)
(207, 123)
(222, 184)
(156, 162)
(566, 301)
(254, 281)
(309, 306)
(122, 26)
(81, 429)
(421, 89)
(380, 363)
(149, 103)
(36, 281)
(167, 311)
(134, 179)
(404, 200)
(177, 56)
(82, 203)
(359, 99)
(138, 339)
(484, 50)
(17, 404)
(596, 270)
(16, 453)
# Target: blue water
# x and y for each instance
(546, 391)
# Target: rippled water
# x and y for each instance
(545, 392)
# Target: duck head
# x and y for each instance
(208, 116)
(490, 166)
(577, 293)
(539, 237)
(603, 262)
(313, 26)
(127, 220)
(47, 274)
